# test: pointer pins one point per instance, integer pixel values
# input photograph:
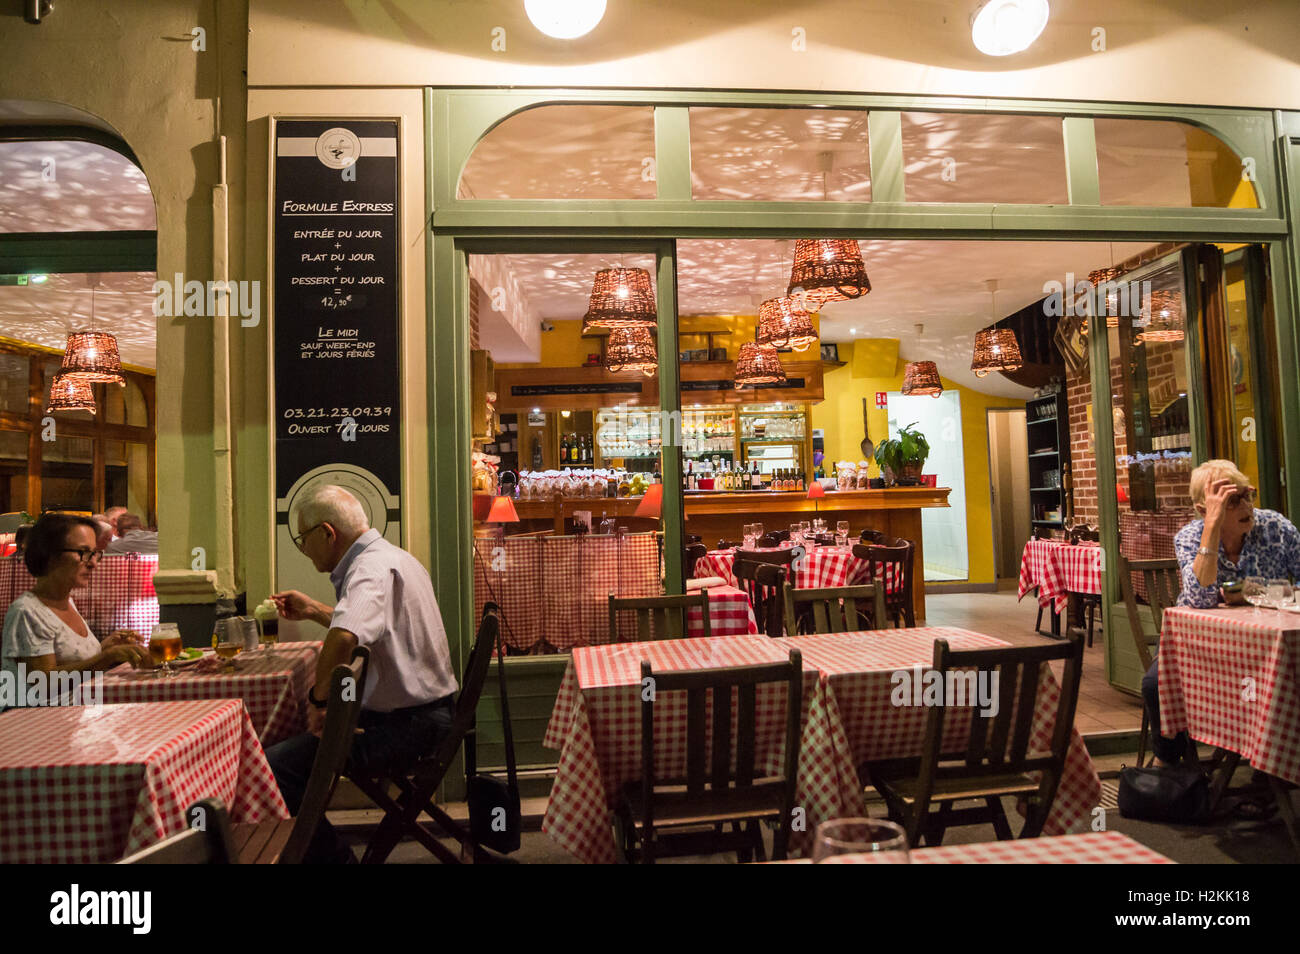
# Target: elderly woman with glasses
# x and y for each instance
(42, 629)
(1231, 541)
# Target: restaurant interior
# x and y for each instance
(829, 458)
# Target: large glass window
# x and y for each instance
(567, 437)
(1159, 162)
(959, 157)
(71, 186)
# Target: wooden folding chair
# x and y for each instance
(207, 841)
(893, 560)
(996, 762)
(285, 842)
(834, 609)
(1163, 584)
(417, 786)
(764, 584)
(659, 617)
(685, 815)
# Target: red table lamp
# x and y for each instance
(652, 504)
(503, 511)
(815, 489)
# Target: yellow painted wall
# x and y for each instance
(872, 365)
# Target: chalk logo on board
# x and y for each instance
(338, 148)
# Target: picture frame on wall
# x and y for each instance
(830, 352)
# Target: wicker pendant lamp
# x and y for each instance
(784, 323)
(631, 349)
(828, 270)
(758, 364)
(92, 355)
(621, 298)
(996, 349)
(921, 377)
(1163, 312)
(71, 394)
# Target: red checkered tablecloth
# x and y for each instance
(820, 567)
(120, 594)
(596, 725)
(1231, 679)
(1058, 569)
(85, 785)
(556, 588)
(1093, 848)
(729, 614)
(273, 686)
(848, 719)
(854, 720)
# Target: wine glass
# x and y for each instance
(1255, 589)
(1279, 593)
(842, 533)
(796, 533)
(846, 840)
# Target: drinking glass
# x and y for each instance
(758, 532)
(842, 533)
(164, 646)
(1255, 589)
(268, 633)
(1279, 593)
(750, 539)
(846, 840)
(796, 533)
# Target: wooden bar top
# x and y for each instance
(797, 501)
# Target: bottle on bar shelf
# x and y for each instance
(564, 448)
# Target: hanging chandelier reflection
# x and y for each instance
(758, 364)
(1163, 318)
(827, 270)
(70, 393)
(784, 323)
(621, 298)
(631, 349)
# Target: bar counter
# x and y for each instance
(714, 516)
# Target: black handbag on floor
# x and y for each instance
(495, 818)
(1180, 794)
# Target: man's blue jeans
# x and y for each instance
(1166, 750)
(391, 741)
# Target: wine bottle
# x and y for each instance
(564, 449)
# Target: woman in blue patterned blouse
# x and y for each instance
(1233, 540)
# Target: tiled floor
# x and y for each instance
(1101, 708)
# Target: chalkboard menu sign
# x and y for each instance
(337, 368)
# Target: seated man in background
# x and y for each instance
(1232, 540)
(385, 602)
(132, 537)
(111, 515)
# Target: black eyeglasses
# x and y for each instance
(298, 540)
(86, 555)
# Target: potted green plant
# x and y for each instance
(901, 458)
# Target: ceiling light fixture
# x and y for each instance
(92, 355)
(621, 298)
(758, 364)
(1003, 27)
(827, 270)
(69, 393)
(784, 323)
(996, 349)
(565, 19)
(921, 377)
(631, 349)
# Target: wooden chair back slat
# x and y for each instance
(1163, 582)
(763, 583)
(347, 684)
(710, 742)
(894, 560)
(834, 609)
(660, 617)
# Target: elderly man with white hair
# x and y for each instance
(1231, 541)
(385, 602)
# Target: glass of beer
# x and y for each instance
(164, 646)
(268, 633)
(228, 650)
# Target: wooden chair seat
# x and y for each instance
(675, 807)
(957, 789)
(261, 843)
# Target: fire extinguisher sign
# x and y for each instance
(882, 399)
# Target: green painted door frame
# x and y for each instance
(457, 119)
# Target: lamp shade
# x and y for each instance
(815, 489)
(785, 323)
(828, 270)
(503, 511)
(71, 394)
(621, 298)
(996, 349)
(652, 504)
(631, 349)
(92, 356)
(758, 364)
(922, 377)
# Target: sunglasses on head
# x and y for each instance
(1236, 500)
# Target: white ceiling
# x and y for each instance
(68, 186)
(45, 314)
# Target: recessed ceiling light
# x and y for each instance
(1003, 27)
(853, 331)
(565, 19)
